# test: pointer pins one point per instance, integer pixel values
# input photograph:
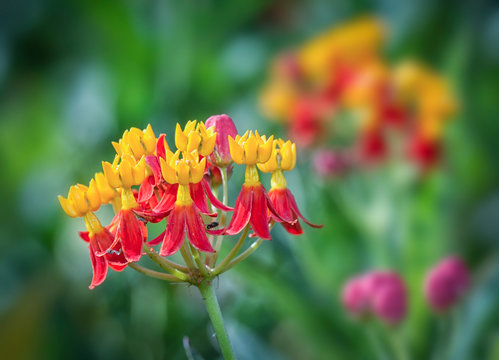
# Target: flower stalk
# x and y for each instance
(211, 302)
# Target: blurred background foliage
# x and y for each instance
(74, 74)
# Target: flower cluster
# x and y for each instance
(383, 293)
(338, 91)
(148, 182)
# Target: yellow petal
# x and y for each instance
(136, 145)
(117, 148)
(105, 191)
(68, 207)
(251, 150)
(197, 171)
(111, 174)
(180, 138)
(183, 171)
(139, 171)
(236, 151)
(93, 196)
(265, 150)
(168, 172)
(208, 145)
(125, 171)
(194, 140)
(77, 197)
(149, 140)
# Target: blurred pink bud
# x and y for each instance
(446, 283)
(329, 163)
(224, 127)
(354, 297)
(380, 293)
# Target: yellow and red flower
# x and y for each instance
(82, 201)
(283, 158)
(253, 203)
(177, 203)
(123, 175)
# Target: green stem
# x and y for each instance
(211, 302)
(375, 341)
(199, 261)
(219, 269)
(152, 273)
(186, 254)
(164, 265)
(250, 250)
(398, 347)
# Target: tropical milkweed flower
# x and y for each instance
(446, 283)
(184, 216)
(124, 173)
(253, 203)
(379, 293)
(283, 158)
(147, 182)
(104, 250)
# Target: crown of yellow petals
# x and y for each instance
(195, 137)
(251, 148)
(136, 142)
(188, 170)
(81, 199)
(283, 157)
(125, 171)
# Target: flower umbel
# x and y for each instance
(147, 182)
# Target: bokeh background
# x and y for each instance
(74, 74)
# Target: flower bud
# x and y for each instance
(214, 175)
(224, 127)
(328, 163)
(446, 283)
(354, 297)
(379, 293)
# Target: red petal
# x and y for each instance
(131, 236)
(150, 216)
(197, 195)
(167, 200)
(146, 190)
(84, 236)
(115, 256)
(259, 219)
(280, 201)
(99, 267)
(157, 240)
(102, 242)
(242, 211)
(160, 146)
(292, 228)
(271, 207)
(174, 234)
(214, 201)
(153, 162)
(294, 207)
(195, 230)
(117, 267)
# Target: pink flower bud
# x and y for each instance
(329, 163)
(380, 293)
(224, 127)
(354, 297)
(446, 283)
